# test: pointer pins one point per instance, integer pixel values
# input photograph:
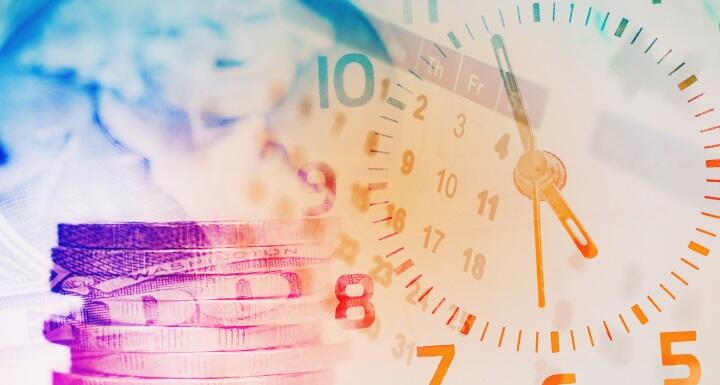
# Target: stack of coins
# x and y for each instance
(196, 303)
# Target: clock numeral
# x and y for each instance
(339, 123)
(501, 147)
(305, 107)
(559, 379)
(347, 250)
(689, 360)
(432, 11)
(459, 131)
(327, 186)
(339, 80)
(398, 217)
(382, 272)
(486, 200)
(414, 294)
(447, 352)
(448, 185)
(384, 89)
(371, 143)
(428, 234)
(419, 112)
(408, 162)
(346, 302)
(373, 332)
(360, 197)
(478, 264)
(456, 324)
(403, 348)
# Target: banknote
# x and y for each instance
(155, 309)
(159, 339)
(261, 362)
(285, 283)
(194, 235)
(33, 363)
(300, 378)
(24, 309)
(194, 300)
(156, 262)
(25, 356)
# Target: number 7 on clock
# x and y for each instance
(447, 352)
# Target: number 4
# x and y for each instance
(447, 352)
(670, 359)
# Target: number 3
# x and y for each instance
(670, 359)
(459, 131)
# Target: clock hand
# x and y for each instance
(550, 192)
(528, 140)
(513, 92)
(569, 221)
(538, 246)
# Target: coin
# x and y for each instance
(184, 339)
(248, 363)
(304, 378)
(156, 309)
(159, 262)
(180, 235)
(274, 284)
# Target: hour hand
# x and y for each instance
(569, 221)
(507, 74)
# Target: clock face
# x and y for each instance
(624, 209)
(533, 183)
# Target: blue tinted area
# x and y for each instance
(213, 25)
(227, 63)
(96, 96)
(4, 156)
(118, 84)
(350, 25)
(23, 25)
(711, 9)
(216, 121)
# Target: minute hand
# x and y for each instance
(513, 92)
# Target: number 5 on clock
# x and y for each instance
(670, 359)
(447, 352)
